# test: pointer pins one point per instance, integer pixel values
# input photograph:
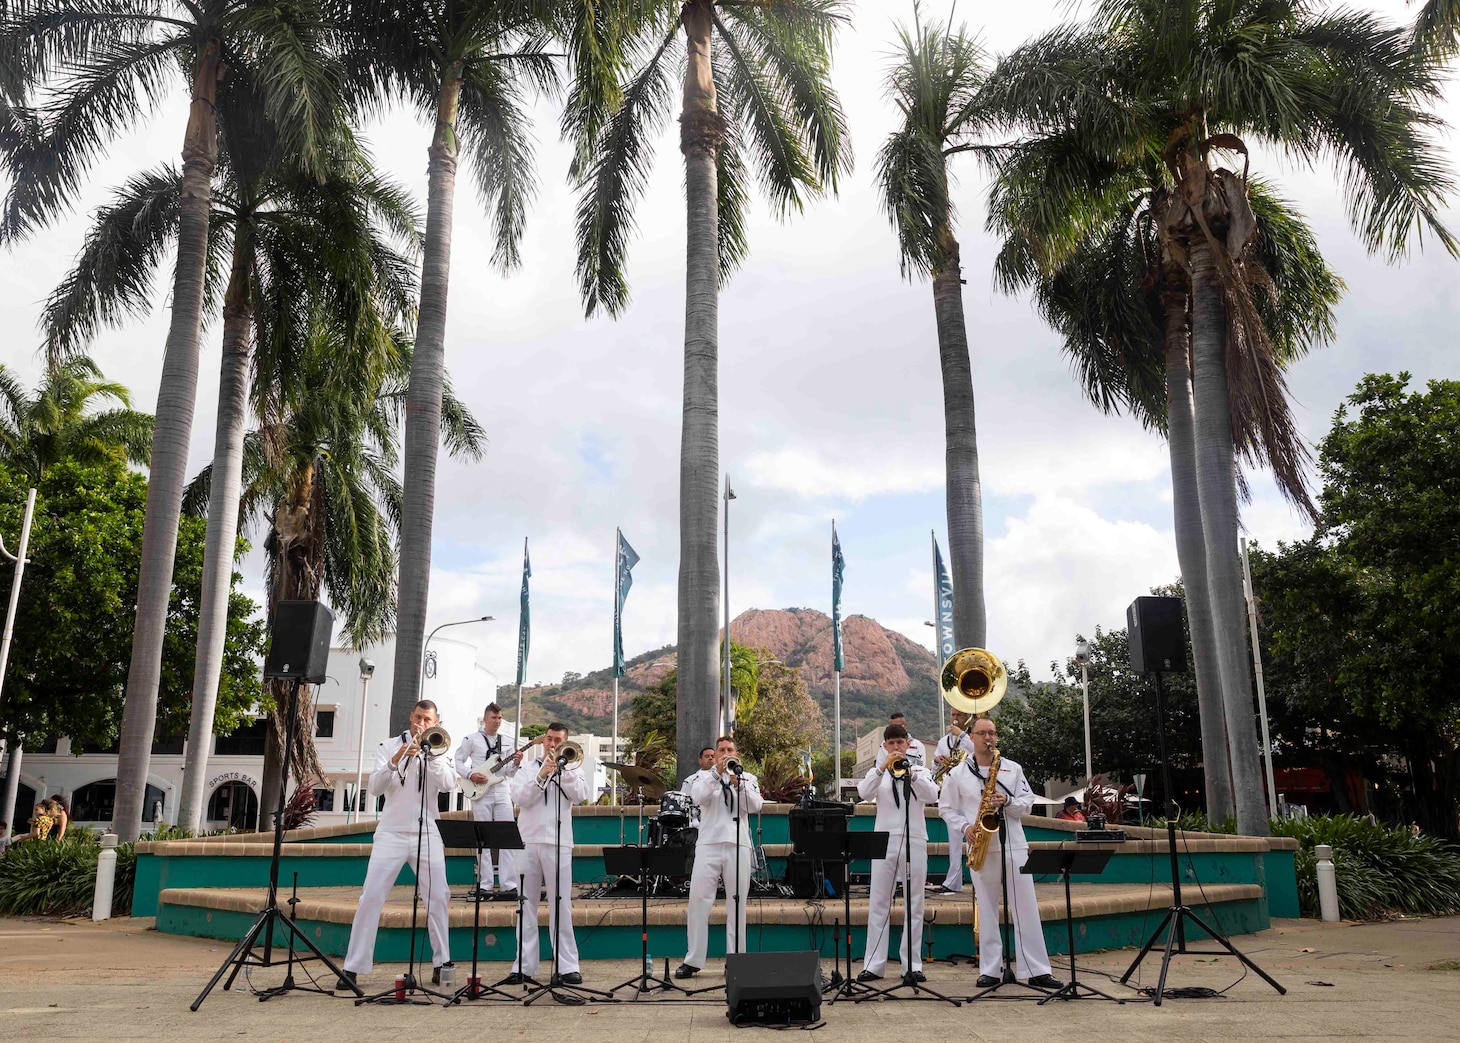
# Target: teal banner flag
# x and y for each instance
(838, 567)
(943, 598)
(524, 626)
(624, 579)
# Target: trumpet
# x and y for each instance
(434, 741)
(898, 766)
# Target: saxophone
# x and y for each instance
(987, 822)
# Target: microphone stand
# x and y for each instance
(561, 992)
(412, 986)
(920, 990)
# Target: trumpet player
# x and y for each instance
(901, 790)
(960, 805)
(727, 797)
(401, 833)
(949, 746)
(545, 788)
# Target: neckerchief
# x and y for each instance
(973, 767)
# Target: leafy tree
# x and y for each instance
(785, 717)
(755, 87)
(55, 422)
(1363, 620)
(97, 69)
(68, 664)
(652, 712)
(935, 82)
(1178, 83)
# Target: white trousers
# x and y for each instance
(956, 866)
(1031, 958)
(713, 863)
(537, 864)
(496, 806)
(886, 872)
(388, 853)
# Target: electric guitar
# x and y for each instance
(475, 791)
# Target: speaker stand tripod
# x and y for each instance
(271, 915)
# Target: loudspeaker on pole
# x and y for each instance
(1156, 636)
(299, 642)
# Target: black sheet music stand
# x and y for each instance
(644, 862)
(1069, 861)
(846, 847)
(483, 836)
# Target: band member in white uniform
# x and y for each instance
(707, 762)
(397, 778)
(958, 806)
(547, 854)
(897, 812)
(916, 751)
(956, 739)
(477, 752)
(726, 801)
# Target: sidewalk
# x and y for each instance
(74, 980)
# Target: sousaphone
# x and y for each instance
(973, 680)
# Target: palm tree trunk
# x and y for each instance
(171, 432)
(964, 491)
(1216, 481)
(701, 134)
(218, 552)
(423, 407)
(1191, 556)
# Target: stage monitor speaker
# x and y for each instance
(1156, 635)
(773, 988)
(299, 642)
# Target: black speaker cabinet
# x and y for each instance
(299, 643)
(1156, 635)
(772, 988)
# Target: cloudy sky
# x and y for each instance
(830, 399)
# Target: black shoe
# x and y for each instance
(918, 976)
(869, 976)
(1046, 981)
(941, 889)
(484, 893)
(436, 972)
(572, 978)
(506, 895)
(515, 978)
(684, 970)
(985, 981)
(347, 982)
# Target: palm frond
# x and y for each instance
(494, 128)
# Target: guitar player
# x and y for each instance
(482, 758)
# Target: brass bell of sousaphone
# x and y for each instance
(973, 680)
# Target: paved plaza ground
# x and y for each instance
(74, 980)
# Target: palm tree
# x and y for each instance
(293, 239)
(57, 421)
(1179, 82)
(97, 68)
(321, 473)
(1437, 27)
(934, 82)
(755, 90)
(1121, 307)
(468, 67)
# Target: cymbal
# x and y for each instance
(643, 778)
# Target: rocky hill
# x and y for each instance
(884, 670)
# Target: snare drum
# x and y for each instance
(675, 810)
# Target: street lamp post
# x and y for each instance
(426, 647)
(367, 671)
(1082, 656)
(729, 707)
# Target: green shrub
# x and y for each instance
(58, 878)
(1379, 870)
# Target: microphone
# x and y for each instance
(733, 767)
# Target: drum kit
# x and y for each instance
(676, 823)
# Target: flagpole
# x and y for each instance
(836, 696)
(618, 539)
(937, 636)
(521, 652)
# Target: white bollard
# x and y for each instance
(106, 878)
(1327, 883)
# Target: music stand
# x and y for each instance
(845, 847)
(646, 862)
(483, 836)
(1066, 862)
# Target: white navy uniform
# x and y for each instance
(916, 752)
(475, 752)
(956, 868)
(395, 846)
(895, 818)
(958, 806)
(721, 853)
(547, 859)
